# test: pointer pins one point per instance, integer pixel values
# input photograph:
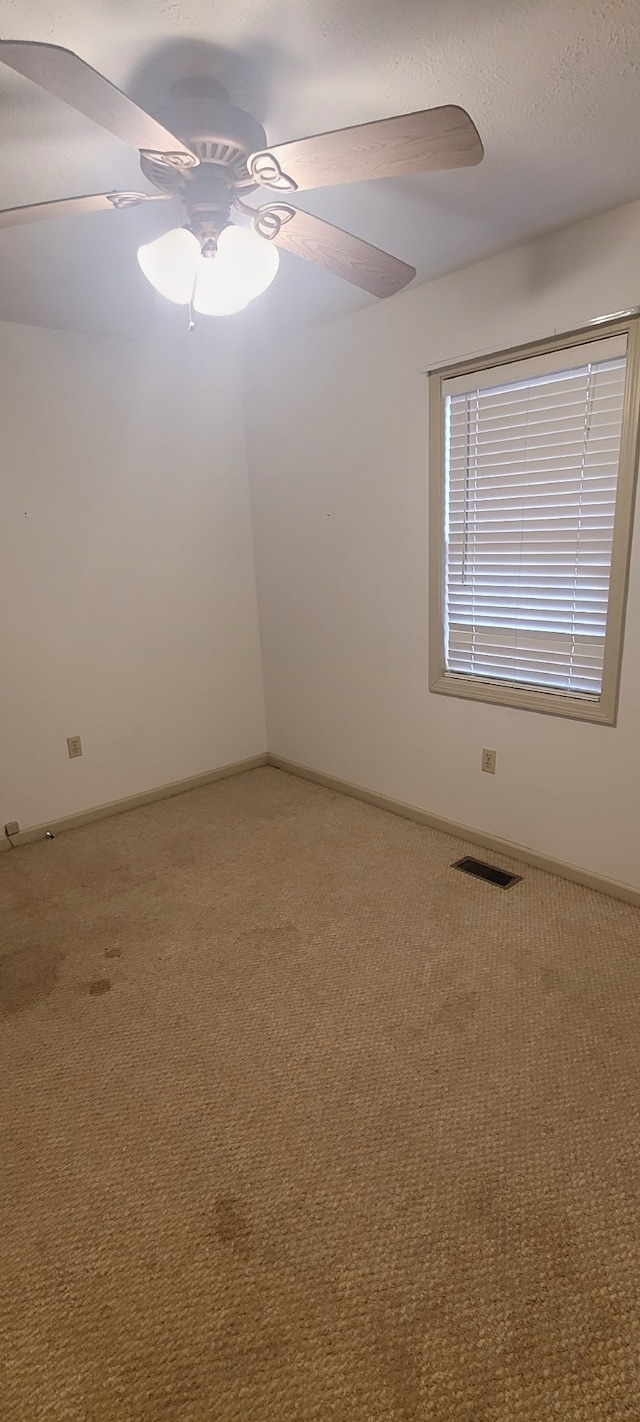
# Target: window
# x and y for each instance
(533, 460)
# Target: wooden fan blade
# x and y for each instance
(65, 75)
(410, 143)
(337, 251)
(69, 207)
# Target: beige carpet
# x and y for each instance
(297, 1124)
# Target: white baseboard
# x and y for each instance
(617, 890)
(132, 802)
(493, 842)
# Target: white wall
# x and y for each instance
(126, 570)
(338, 466)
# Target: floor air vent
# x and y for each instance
(480, 870)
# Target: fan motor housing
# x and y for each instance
(222, 137)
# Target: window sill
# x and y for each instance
(521, 698)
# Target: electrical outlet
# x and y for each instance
(74, 746)
(489, 761)
(12, 828)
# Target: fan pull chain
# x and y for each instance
(192, 320)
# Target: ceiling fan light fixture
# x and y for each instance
(170, 264)
(243, 266)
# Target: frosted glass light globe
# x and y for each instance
(243, 267)
(218, 292)
(249, 259)
(170, 264)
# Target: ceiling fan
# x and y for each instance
(221, 155)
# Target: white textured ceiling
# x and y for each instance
(552, 85)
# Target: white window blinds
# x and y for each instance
(531, 467)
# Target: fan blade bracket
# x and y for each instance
(124, 200)
(180, 162)
(265, 169)
(269, 220)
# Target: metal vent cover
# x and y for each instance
(488, 872)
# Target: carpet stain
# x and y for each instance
(231, 1223)
(550, 978)
(113, 951)
(99, 986)
(27, 976)
(458, 1011)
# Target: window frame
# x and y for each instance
(555, 703)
